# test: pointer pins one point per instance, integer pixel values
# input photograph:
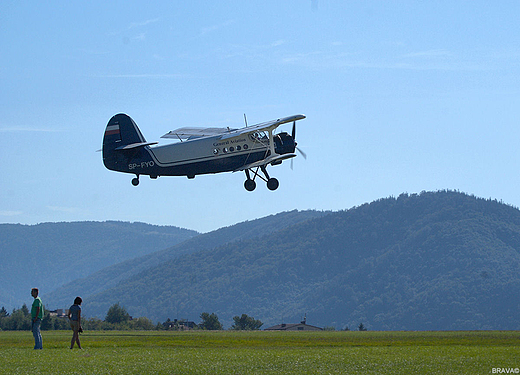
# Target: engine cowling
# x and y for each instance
(284, 143)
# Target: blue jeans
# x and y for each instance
(38, 343)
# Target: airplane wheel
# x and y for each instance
(272, 184)
(135, 181)
(250, 185)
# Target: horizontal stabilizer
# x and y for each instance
(135, 145)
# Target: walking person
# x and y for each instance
(37, 316)
(75, 321)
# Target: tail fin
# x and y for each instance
(121, 134)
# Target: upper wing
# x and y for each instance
(270, 125)
(185, 133)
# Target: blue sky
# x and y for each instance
(400, 96)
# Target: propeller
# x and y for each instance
(297, 148)
(301, 152)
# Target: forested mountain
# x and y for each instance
(51, 254)
(437, 260)
(109, 277)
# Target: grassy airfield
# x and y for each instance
(228, 352)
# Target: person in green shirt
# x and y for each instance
(37, 316)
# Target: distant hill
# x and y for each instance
(51, 254)
(109, 277)
(432, 261)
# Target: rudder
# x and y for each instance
(121, 131)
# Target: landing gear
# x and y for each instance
(135, 181)
(272, 184)
(250, 184)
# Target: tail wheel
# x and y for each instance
(135, 181)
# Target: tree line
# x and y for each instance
(117, 318)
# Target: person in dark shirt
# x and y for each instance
(75, 321)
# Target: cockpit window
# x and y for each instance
(259, 137)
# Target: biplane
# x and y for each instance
(200, 151)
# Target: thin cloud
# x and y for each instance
(211, 29)
(19, 129)
(93, 52)
(139, 37)
(144, 76)
(438, 59)
(278, 43)
(10, 213)
(254, 52)
(133, 25)
(429, 53)
(69, 210)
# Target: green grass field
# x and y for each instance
(226, 352)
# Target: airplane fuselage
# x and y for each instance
(191, 157)
(199, 156)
